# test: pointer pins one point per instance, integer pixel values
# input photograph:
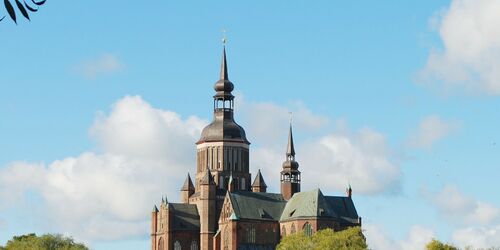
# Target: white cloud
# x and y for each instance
(478, 237)
(430, 130)
(105, 196)
(104, 64)
(364, 158)
(378, 239)
(470, 58)
(460, 209)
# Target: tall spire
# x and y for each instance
(223, 87)
(290, 151)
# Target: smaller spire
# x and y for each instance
(259, 180)
(188, 184)
(166, 200)
(155, 209)
(290, 151)
(207, 179)
(230, 184)
(349, 191)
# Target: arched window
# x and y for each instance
(194, 245)
(161, 245)
(177, 245)
(250, 235)
(283, 231)
(292, 229)
(243, 184)
(307, 229)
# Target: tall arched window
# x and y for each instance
(194, 245)
(283, 231)
(161, 245)
(307, 229)
(292, 229)
(177, 245)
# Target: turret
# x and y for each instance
(207, 210)
(187, 190)
(290, 175)
(154, 226)
(259, 185)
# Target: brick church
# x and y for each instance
(224, 209)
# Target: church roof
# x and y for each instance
(314, 204)
(184, 217)
(308, 204)
(344, 208)
(257, 206)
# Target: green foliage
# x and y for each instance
(437, 245)
(349, 239)
(44, 242)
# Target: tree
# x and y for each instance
(349, 239)
(437, 245)
(44, 242)
(23, 8)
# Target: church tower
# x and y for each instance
(290, 175)
(223, 147)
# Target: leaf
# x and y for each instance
(22, 9)
(39, 3)
(29, 7)
(10, 9)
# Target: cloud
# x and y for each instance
(460, 209)
(337, 155)
(470, 58)
(478, 237)
(90, 196)
(362, 158)
(102, 65)
(430, 130)
(377, 238)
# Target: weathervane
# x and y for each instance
(291, 117)
(224, 38)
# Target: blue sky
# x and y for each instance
(101, 103)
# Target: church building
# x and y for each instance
(223, 209)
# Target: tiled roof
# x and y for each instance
(314, 204)
(257, 206)
(185, 217)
